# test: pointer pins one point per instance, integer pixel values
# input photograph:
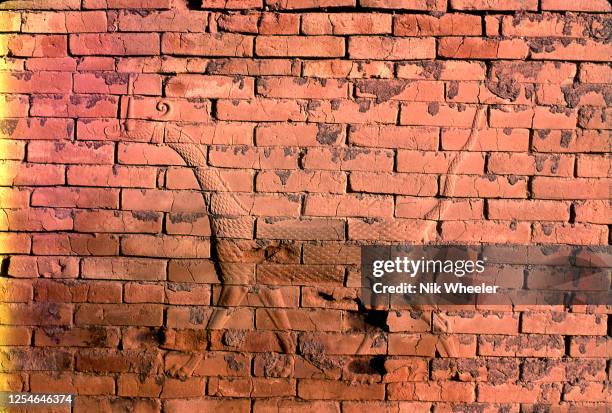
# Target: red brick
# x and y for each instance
(117, 221)
(163, 21)
(202, 404)
(486, 231)
(595, 212)
(101, 82)
(523, 345)
(297, 406)
(297, 134)
(115, 176)
(594, 73)
(79, 152)
(439, 209)
(585, 50)
(259, 204)
(119, 314)
(385, 229)
(349, 111)
(594, 166)
(349, 159)
(15, 336)
(404, 184)
(17, 106)
(564, 323)
(232, 4)
(72, 383)
(210, 87)
(550, 25)
(398, 89)
(39, 219)
(439, 162)
(196, 109)
(143, 293)
(299, 46)
(279, 23)
(307, 229)
(579, 5)
(406, 137)
(72, 244)
(301, 88)
(428, 344)
(575, 188)
(32, 313)
(207, 44)
(524, 164)
(387, 48)
(162, 200)
(71, 22)
(445, 25)
(435, 114)
(442, 70)
(494, 4)
(589, 392)
(187, 294)
(528, 210)
(346, 23)
(15, 197)
(345, 68)
(16, 173)
(115, 44)
(260, 110)
(37, 82)
(438, 391)
(506, 116)
(254, 158)
(124, 268)
(478, 323)
(126, 4)
(308, 4)
(493, 140)
(571, 141)
(131, 386)
(239, 23)
(481, 48)
(348, 205)
(587, 347)
(577, 234)
(25, 45)
(11, 21)
(436, 5)
(318, 389)
(74, 105)
(299, 181)
(165, 246)
(518, 393)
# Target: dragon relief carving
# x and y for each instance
(228, 217)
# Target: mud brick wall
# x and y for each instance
(185, 186)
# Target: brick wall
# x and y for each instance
(185, 188)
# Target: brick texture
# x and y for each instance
(184, 186)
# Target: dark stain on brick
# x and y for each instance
(328, 134)
(384, 90)
(433, 108)
(147, 216)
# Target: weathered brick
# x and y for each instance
(115, 44)
(207, 44)
(445, 25)
(387, 48)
